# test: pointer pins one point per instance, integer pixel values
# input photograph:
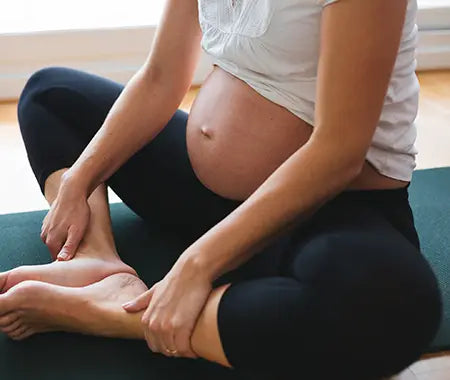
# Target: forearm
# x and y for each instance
(138, 115)
(291, 194)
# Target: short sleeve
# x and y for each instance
(326, 2)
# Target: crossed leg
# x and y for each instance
(85, 294)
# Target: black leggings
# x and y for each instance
(345, 295)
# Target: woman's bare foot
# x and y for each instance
(34, 307)
(84, 269)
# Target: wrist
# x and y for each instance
(75, 184)
(194, 262)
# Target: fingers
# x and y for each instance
(183, 343)
(140, 303)
(44, 228)
(149, 337)
(169, 334)
(44, 234)
(54, 244)
(64, 226)
(49, 238)
(69, 249)
(165, 331)
(167, 340)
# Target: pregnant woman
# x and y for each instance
(289, 178)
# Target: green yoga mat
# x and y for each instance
(70, 356)
(430, 201)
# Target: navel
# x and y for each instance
(205, 132)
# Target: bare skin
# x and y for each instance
(35, 307)
(85, 295)
(236, 138)
(96, 257)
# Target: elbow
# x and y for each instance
(356, 166)
(343, 164)
(152, 74)
(352, 170)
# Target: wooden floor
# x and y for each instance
(19, 191)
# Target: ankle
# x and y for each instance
(98, 241)
(99, 250)
(110, 261)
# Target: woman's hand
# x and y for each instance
(173, 307)
(66, 222)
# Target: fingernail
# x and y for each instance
(126, 304)
(63, 256)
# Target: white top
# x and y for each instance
(273, 45)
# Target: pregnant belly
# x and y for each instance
(236, 138)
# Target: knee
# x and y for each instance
(392, 323)
(408, 313)
(382, 295)
(39, 82)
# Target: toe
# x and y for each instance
(3, 281)
(19, 332)
(24, 334)
(7, 304)
(12, 327)
(8, 319)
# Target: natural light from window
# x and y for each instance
(434, 3)
(21, 16)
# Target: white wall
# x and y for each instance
(433, 19)
(115, 53)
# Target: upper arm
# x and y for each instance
(358, 48)
(176, 46)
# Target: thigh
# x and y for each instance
(75, 98)
(59, 111)
(351, 240)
